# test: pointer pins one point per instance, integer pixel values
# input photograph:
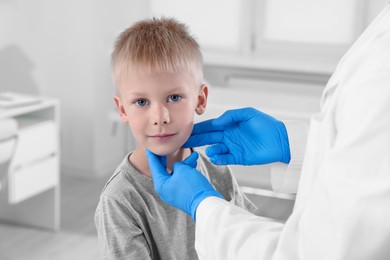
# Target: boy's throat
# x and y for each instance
(139, 161)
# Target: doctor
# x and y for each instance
(342, 208)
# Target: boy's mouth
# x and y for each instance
(162, 137)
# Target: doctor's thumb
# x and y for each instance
(191, 160)
(157, 166)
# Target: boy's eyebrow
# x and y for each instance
(134, 93)
(175, 89)
(131, 93)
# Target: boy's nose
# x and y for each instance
(160, 115)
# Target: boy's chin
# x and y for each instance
(162, 151)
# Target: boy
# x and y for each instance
(157, 68)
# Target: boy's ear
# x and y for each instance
(202, 99)
(121, 110)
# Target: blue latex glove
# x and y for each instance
(185, 188)
(244, 136)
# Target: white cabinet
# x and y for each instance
(30, 195)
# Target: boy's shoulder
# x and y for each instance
(116, 181)
(125, 179)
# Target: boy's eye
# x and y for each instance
(141, 102)
(174, 98)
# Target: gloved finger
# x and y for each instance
(157, 167)
(223, 159)
(217, 149)
(163, 160)
(232, 117)
(204, 127)
(196, 140)
(192, 160)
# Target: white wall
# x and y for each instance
(61, 49)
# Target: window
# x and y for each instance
(254, 31)
(216, 23)
(306, 29)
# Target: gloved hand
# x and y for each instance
(185, 188)
(244, 136)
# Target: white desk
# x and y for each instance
(32, 193)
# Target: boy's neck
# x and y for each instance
(139, 161)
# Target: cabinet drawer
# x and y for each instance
(35, 142)
(35, 178)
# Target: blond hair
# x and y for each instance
(156, 45)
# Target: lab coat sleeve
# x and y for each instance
(224, 231)
(285, 177)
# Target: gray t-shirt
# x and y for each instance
(133, 223)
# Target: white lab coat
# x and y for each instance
(342, 209)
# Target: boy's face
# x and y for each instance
(159, 108)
